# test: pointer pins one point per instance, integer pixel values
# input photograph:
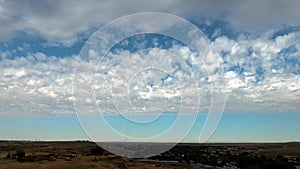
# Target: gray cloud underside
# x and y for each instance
(55, 19)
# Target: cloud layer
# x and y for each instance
(262, 75)
(56, 19)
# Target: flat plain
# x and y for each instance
(86, 155)
(65, 155)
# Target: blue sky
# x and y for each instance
(257, 44)
(242, 127)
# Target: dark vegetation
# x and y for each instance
(98, 151)
(224, 155)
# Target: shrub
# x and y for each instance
(97, 151)
(19, 154)
(8, 155)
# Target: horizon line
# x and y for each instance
(250, 142)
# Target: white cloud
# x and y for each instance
(20, 73)
(42, 85)
(35, 87)
(273, 90)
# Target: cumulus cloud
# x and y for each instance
(35, 85)
(262, 75)
(65, 19)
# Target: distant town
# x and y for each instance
(226, 156)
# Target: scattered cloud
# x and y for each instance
(262, 75)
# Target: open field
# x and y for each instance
(85, 155)
(64, 155)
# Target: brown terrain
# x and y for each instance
(86, 155)
(65, 155)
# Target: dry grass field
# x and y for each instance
(67, 155)
(79, 155)
(106, 162)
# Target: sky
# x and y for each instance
(53, 80)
